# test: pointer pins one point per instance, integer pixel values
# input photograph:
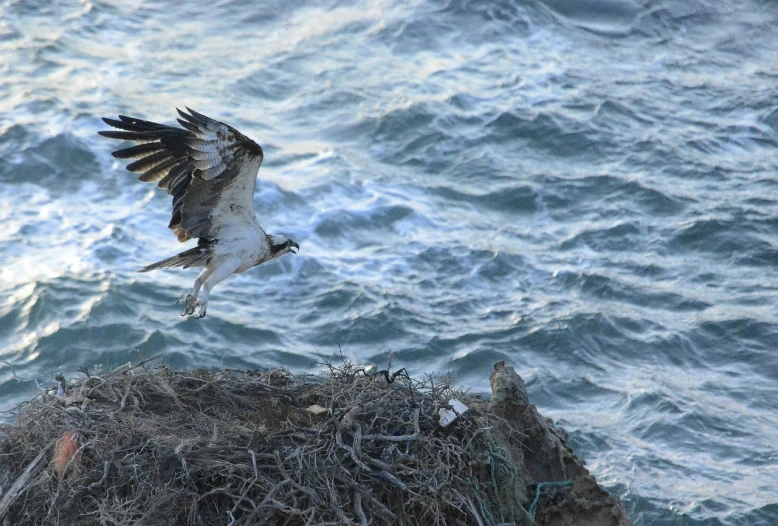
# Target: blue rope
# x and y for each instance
(533, 507)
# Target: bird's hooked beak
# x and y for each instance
(294, 247)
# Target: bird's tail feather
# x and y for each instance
(194, 257)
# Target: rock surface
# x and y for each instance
(548, 458)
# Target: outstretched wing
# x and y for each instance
(208, 167)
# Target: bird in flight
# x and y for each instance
(210, 169)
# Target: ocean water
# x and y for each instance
(585, 189)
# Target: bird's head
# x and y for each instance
(280, 245)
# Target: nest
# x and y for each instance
(148, 445)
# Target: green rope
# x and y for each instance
(500, 465)
(484, 510)
(481, 504)
(541, 485)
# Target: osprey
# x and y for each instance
(210, 169)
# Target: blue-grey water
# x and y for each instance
(586, 190)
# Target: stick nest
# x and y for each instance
(145, 445)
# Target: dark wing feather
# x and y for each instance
(200, 166)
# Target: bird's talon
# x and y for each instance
(191, 305)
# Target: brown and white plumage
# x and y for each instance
(210, 169)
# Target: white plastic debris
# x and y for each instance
(449, 414)
(316, 409)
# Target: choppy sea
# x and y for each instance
(585, 189)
